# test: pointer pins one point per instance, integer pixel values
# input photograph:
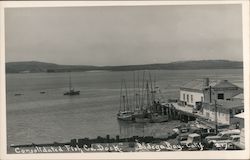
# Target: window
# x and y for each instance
(187, 98)
(191, 98)
(220, 96)
(184, 98)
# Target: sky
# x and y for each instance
(124, 35)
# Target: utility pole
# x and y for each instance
(210, 94)
(216, 118)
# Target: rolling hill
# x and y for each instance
(34, 66)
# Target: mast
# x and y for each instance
(126, 92)
(151, 87)
(121, 97)
(135, 98)
(124, 103)
(138, 89)
(147, 90)
(142, 97)
(70, 86)
(155, 87)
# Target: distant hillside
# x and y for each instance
(33, 66)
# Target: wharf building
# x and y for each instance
(214, 100)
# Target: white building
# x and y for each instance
(226, 111)
(192, 93)
(195, 92)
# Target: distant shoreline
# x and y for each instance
(98, 71)
(40, 67)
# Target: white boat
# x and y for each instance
(125, 115)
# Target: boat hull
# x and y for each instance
(142, 120)
(72, 93)
(127, 118)
(159, 119)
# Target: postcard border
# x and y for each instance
(144, 155)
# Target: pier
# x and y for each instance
(186, 114)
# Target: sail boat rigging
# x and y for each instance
(146, 106)
(125, 112)
(71, 91)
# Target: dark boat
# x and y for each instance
(152, 110)
(18, 94)
(71, 91)
(146, 106)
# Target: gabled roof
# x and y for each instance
(200, 84)
(225, 84)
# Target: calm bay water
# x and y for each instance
(41, 118)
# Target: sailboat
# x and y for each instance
(152, 111)
(71, 91)
(147, 108)
(144, 114)
(124, 114)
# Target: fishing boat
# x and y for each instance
(156, 118)
(72, 91)
(151, 108)
(18, 94)
(146, 106)
(125, 113)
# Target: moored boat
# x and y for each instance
(156, 118)
(146, 106)
(72, 91)
(125, 115)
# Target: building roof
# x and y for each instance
(225, 84)
(226, 104)
(239, 96)
(200, 84)
(240, 115)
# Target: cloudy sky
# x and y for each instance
(123, 35)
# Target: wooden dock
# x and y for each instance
(186, 114)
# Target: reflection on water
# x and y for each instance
(129, 129)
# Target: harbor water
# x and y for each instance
(42, 114)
